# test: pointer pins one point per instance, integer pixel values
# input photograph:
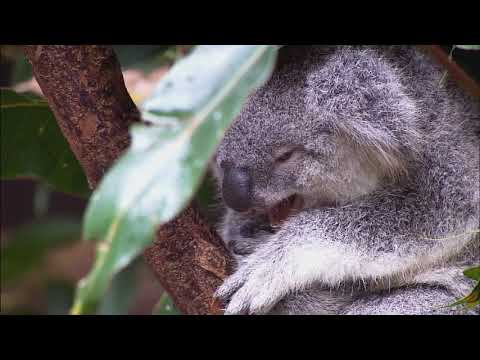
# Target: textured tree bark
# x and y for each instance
(85, 90)
(191, 262)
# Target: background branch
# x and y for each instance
(85, 90)
(454, 70)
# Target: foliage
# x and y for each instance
(29, 244)
(473, 299)
(32, 145)
(26, 251)
(469, 47)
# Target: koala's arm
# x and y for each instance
(431, 293)
(412, 300)
(379, 239)
(417, 300)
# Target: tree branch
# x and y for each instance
(85, 90)
(454, 70)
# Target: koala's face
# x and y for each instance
(318, 169)
(292, 139)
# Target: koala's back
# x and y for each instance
(449, 122)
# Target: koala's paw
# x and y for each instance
(254, 288)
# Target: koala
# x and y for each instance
(376, 161)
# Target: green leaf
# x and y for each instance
(473, 299)
(190, 111)
(28, 245)
(165, 306)
(130, 56)
(147, 58)
(33, 145)
(473, 273)
(468, 47)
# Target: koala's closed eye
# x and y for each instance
(286, 154)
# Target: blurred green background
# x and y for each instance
(42, 253)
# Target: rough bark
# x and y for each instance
(191, 262)
(85, 90)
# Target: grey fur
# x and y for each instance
(387, 162)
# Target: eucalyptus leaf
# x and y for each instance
(473, 299)
(154, 180)
(33, 146)
(468, 47)
(130, 56)
(473, 273)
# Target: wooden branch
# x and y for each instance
(85, 90)
(454, 70)
(190, 261)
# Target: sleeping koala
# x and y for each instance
(351, 181)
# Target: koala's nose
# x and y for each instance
(237, 188)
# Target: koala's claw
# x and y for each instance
(251, 290)
(228, 288)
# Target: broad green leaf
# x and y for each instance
(473, 299)
(130, 56)
(473, 273)
(190, 111)
(147, 58)
(468, 47)
(28, 245)
(32, 145)
(165, 306)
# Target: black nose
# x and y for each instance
(237, 189)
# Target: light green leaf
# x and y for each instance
(32, 145)
(473, 299)
(190, 111)
(468, 47)
(473, 273)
